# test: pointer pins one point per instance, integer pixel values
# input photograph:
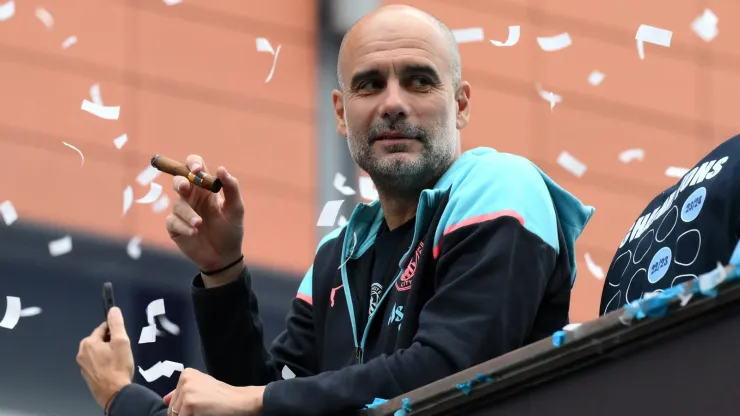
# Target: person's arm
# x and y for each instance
(232, 337)
(135, 399)
(493, 276)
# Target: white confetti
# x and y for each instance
(263, 45)
(367, 189)
(341, 222)
(161, 369)
(595, 269)
(155, 191)
(133, 248)
(467, 35)
(631, 154)
(161, 204)
(172, 2)
(339, 185)
(148, 175)
(571, 327)
(274, 62)
(120, 141)
(548, 96)
(705, 26)
(148, 334)
(69, 42)
(7, 10)
(169, 326)
(571, 164)
(675, 172)
(12, 312)
(30, 311)
(95, 95)
(8, 212)
(128, 199)
(595, 78)
(654, 35)
(78, 151)
(46, 18)
(329, 214)
(512, 39)
(60, 246)
(108, 113)
(287, 373)
(554, 43)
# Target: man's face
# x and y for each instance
(398, 107)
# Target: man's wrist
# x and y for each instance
(224, 277)
(112, 393)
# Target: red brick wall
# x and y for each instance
(676, 104)
(188, 80)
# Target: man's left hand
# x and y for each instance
(199, 394)
(107, 366)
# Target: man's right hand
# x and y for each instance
(207, 227)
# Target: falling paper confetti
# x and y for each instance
(120, 141)
(675, 172)
(571, 164)
(155, 191)
(548, 96)
(7, 10)
(263, 45)
(30, 311)
(705, 26)
(78, 151)
(571, 327)
(148, 175)
(472, 34)
(595, 78)
(554, 43)
(287, 373)
(632, 154)
(128, 199)
(329, 214)
(172, 2)
(514, 33)
(652, 35)
(60, 246)
(12, 312)
(367, 189)
(149, 332)
(168, 325)
(8, 212)
(69, 42)
(339, 184)
(595, 269)
(342, 221)
(95, 95)
(161, 369)
(45, 17)
(161, 204)
(133, 248)
(108, 113)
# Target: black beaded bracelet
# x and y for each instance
(210, 272)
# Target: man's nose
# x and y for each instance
(394, 107)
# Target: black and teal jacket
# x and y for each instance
(489, 270)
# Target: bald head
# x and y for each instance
(396, 16)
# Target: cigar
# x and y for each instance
(175, 168)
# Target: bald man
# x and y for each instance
(464, 257)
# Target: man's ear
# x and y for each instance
(336, 96)
(463, 105)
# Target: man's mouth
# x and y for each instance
(393, 137)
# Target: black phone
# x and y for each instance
(109, 301)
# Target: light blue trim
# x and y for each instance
(306, 286)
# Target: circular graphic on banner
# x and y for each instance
(659, 265)
(693, 205)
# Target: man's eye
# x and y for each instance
(420, 82)
(369, 86)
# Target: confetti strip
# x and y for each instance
(8, 212)
(512, 39)
(108, 113)
(554, 43)
(30, 311)
(133, 248)
(60, 246)
(571, 164)
(45, 17)
(595, 78)
(149, 174)
(120, 141)
(69, 42)
(287, 373)
(675, 172)
(172, 2)
(548, 96)
(705, 26)
(367, 189)
(155, 191)
(263, 45)
(7, 10)
(12, 312)
(595, 269)
(329, 214)
(472, 34)
(78, 151)
(128, 199)
(654, 35)
(629, 155)
(339, 185)
(161, 369)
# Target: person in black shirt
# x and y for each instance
(684, 232)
